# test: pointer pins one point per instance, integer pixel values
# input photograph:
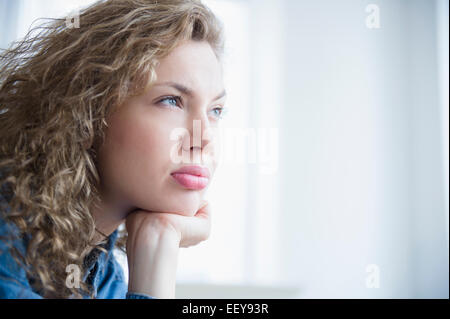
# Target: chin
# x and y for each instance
(187, 206)
(185, 203)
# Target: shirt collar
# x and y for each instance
(98, 255)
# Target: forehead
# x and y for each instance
(193, 64)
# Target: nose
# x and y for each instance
(198, 139)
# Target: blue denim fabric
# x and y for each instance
(105, 273)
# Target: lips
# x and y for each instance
(192, 177)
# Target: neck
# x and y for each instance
(108, 216)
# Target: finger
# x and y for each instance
(204, 210)
(204, 203)
(196, 229)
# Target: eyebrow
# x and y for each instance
(187, 91)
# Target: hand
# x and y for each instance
(189, 230)
(153, 242)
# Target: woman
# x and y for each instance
(87, 131)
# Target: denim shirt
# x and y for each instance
(104, 272)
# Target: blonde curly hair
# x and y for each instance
(57, 87)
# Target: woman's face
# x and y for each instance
(144, 142)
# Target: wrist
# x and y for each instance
(153, 270)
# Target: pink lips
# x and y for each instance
(192, 177)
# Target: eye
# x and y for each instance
(171, 100)
(219, 112)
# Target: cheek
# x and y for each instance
(146, 144)
(135, 150)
